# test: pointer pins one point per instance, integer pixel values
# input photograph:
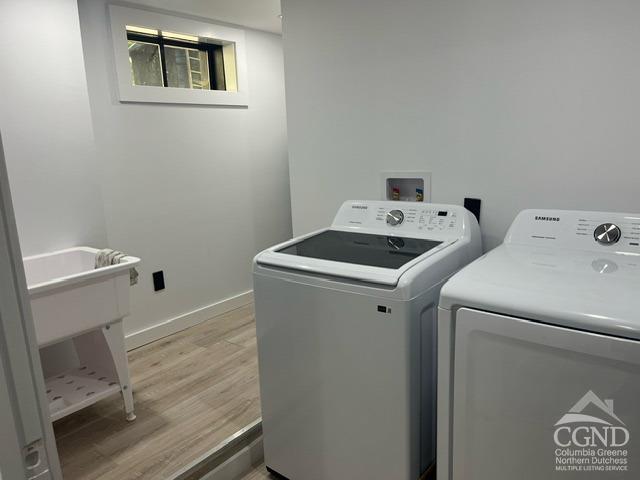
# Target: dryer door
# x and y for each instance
(534, 401)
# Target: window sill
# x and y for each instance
(139, 94)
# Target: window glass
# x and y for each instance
(187, 67)
(146, 67)
(176, 60)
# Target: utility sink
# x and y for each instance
(71, 299)
(69, 296)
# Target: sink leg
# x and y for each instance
(114, 335)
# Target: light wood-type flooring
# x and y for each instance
(192, 390)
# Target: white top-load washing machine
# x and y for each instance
(539, 353)
(345, 320)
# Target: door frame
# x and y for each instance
(24, 414)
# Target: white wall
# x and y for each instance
(520, 103)
(195, 191)
(46, 126)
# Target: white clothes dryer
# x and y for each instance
(539, 353)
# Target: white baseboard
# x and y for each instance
(186, 320)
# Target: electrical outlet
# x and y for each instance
(158, 281)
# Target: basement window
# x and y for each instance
(163, 58)
(168, 59)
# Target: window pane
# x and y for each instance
(187, 67)
(146, 68)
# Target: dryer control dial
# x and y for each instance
(395, 217)
(607, 234)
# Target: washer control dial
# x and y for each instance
(607, 234)
(395, 217)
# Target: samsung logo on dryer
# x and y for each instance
(360, 207)
(548, 219)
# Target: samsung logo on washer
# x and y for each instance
(548, 219)
(361, 207)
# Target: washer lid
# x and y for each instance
(366, 257)
(587, 290)
(361, 248)
(376, 241)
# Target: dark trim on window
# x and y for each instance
(163, 62)
(214, 56)
(216, 69)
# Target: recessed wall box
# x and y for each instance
(406, 186)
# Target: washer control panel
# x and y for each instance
(403, 218)
(419, 218)
(618, 232)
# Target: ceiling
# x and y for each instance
(258, 14)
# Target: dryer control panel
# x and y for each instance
(617, 232)
(403, 218)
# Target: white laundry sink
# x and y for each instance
(70, 297)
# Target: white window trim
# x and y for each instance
(123, 16)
